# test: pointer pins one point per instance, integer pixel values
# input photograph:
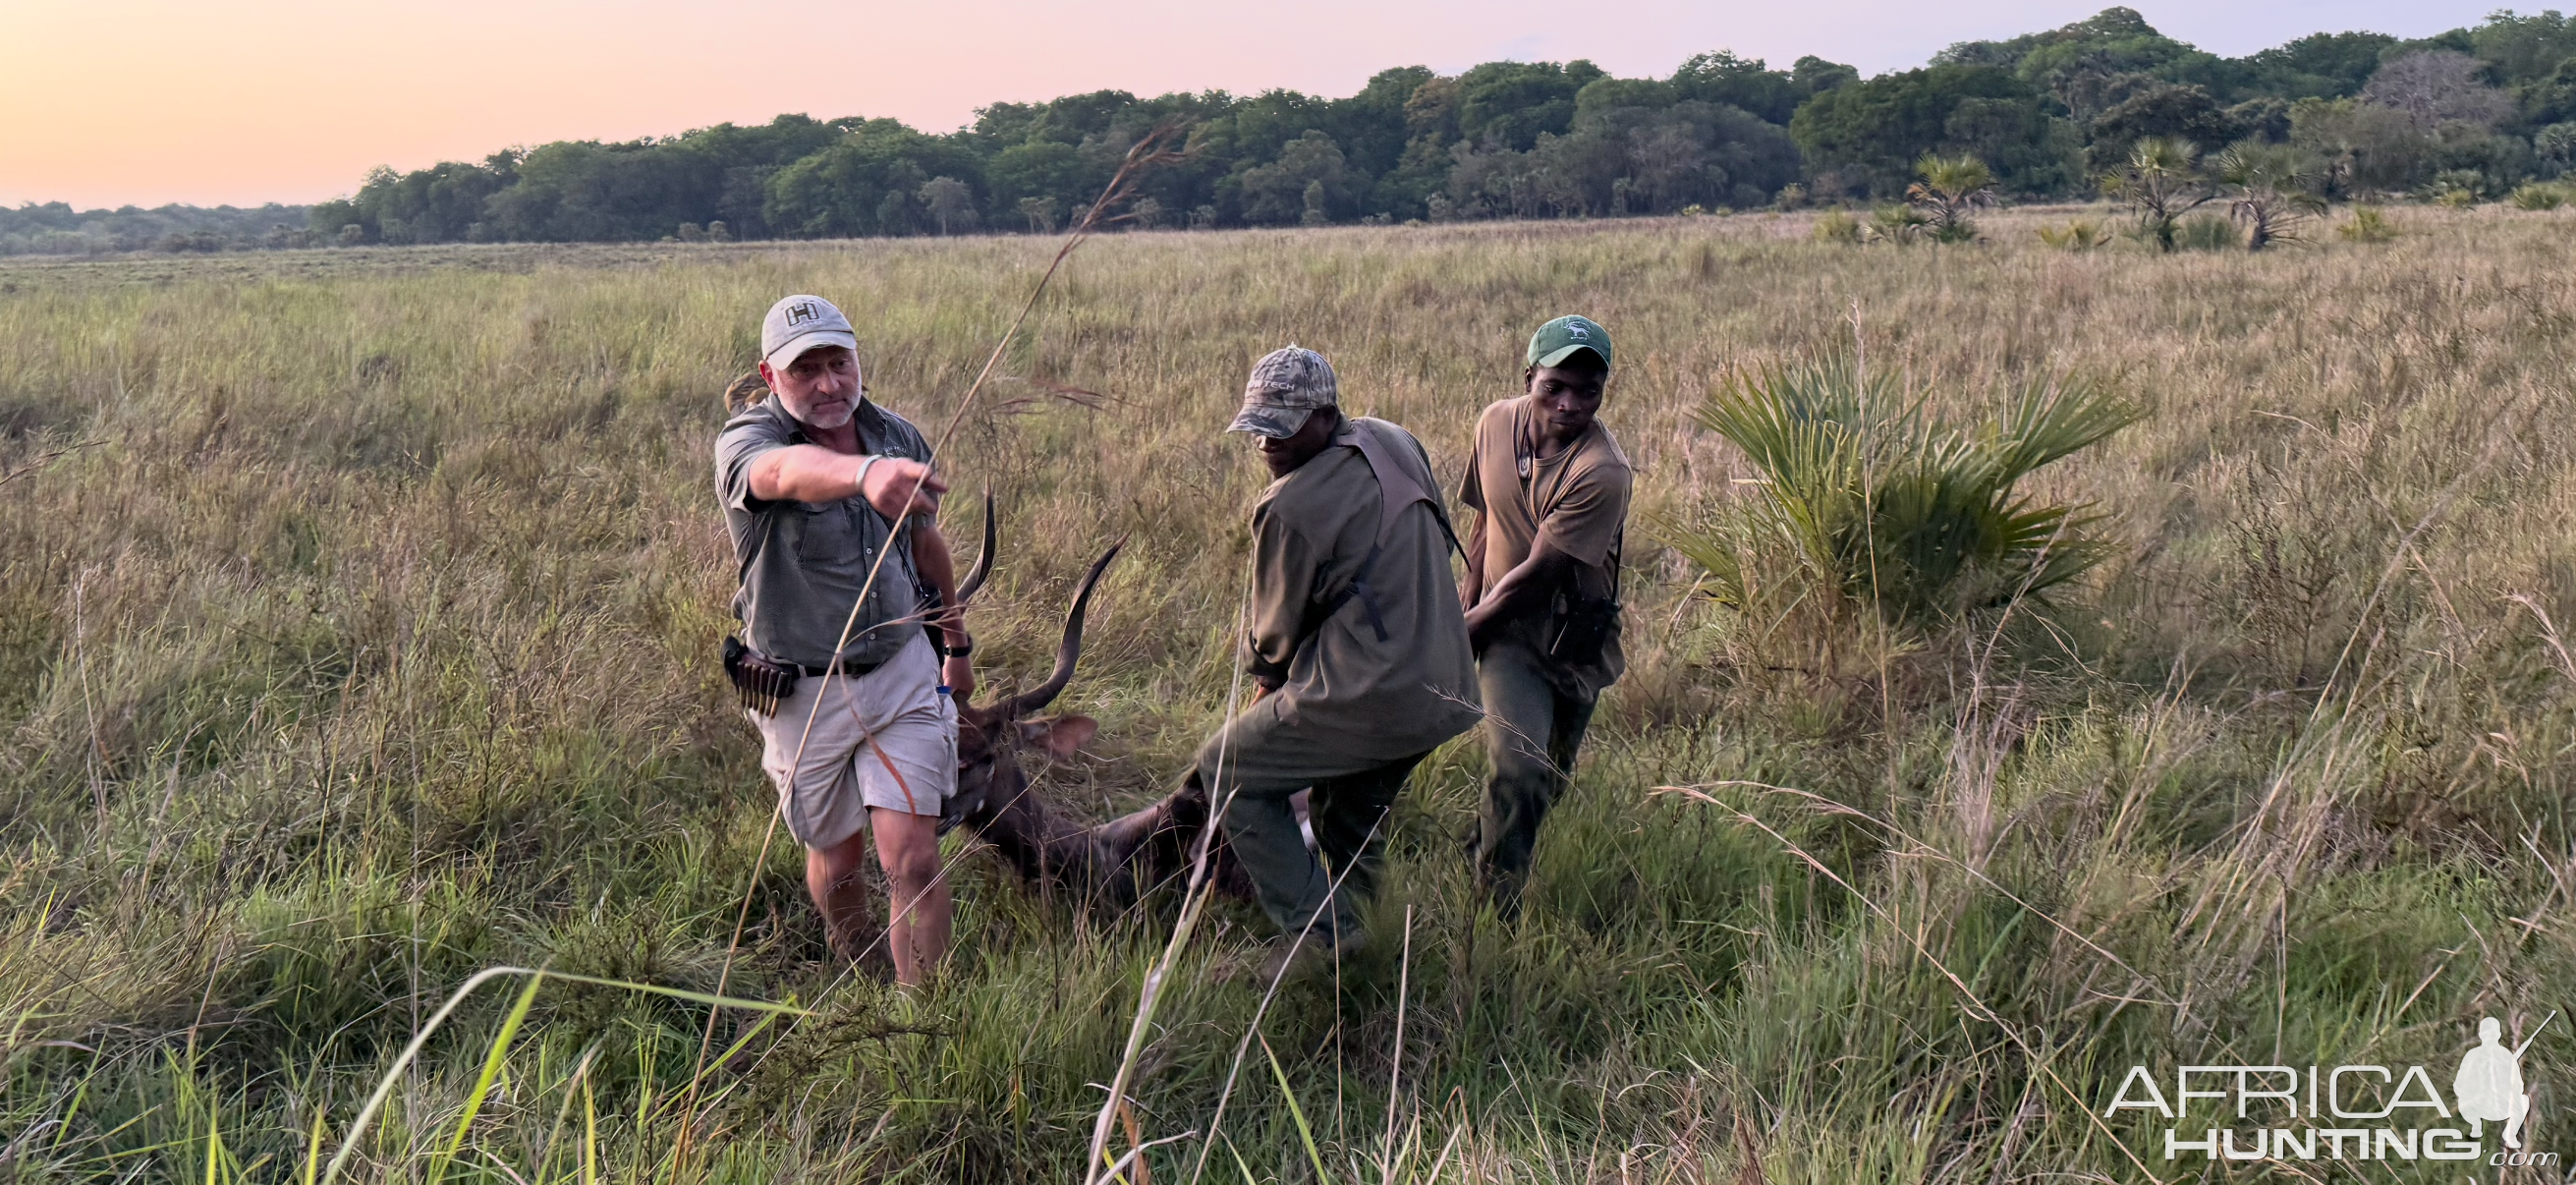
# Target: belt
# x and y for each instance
(848, 666)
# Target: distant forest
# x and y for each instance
(2475, 110)
(54, 228)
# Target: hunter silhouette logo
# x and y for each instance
(802, 312)
(2489, 1086)
(2346, 1112)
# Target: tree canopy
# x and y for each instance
(2050, 113)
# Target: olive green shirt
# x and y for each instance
(1379, 676)
(803, 563)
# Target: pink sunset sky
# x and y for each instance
(153, 101)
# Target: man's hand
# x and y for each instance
(896, 486)
(1522, 592)
(1482, 625)
(959, 675)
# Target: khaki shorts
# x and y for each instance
(910, 767)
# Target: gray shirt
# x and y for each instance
(803, 563)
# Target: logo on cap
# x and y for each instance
(1575, 330)
(802, 312)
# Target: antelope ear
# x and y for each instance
(1059, 735)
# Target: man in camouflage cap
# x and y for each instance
(1359, 646)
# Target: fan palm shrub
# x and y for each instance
(2271, 188)
(1948, 188)
(2368, 224)
(2539, 195)
(2080, 234)
(2161, 181)
(1901, 225)
(1867, 503)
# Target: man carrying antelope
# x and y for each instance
(1359, 647)
(830, 500)
(1550, 489)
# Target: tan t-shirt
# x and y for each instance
(1577, 500)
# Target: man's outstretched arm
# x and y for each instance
(812, 473)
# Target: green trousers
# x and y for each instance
(1348, 810)
(1532, 729)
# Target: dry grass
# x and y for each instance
(370, 644)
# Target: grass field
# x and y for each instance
(357, 622)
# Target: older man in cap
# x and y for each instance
(1358, 644)
(829, 499)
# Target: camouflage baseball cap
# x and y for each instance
(1559, 339)
(1286, 387)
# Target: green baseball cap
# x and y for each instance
(1557, 341)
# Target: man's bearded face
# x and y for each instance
(820, 388)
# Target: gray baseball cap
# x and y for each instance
(1286, 387)
(800, 323)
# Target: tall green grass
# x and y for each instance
(362, 649)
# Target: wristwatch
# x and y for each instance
(947, 651)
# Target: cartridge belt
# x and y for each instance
(848, 666)
(763, 683)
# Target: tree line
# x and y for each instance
(55, 228)
(2053, 115)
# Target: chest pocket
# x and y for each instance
(828, 536)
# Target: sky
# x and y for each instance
(250, 101)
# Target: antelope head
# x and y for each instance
(1118, 858)
(993, 797)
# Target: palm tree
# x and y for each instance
(2162, 182)
(1950, 187)
(2273, 190)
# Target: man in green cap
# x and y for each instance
(1359, 643)
(1550, 489)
